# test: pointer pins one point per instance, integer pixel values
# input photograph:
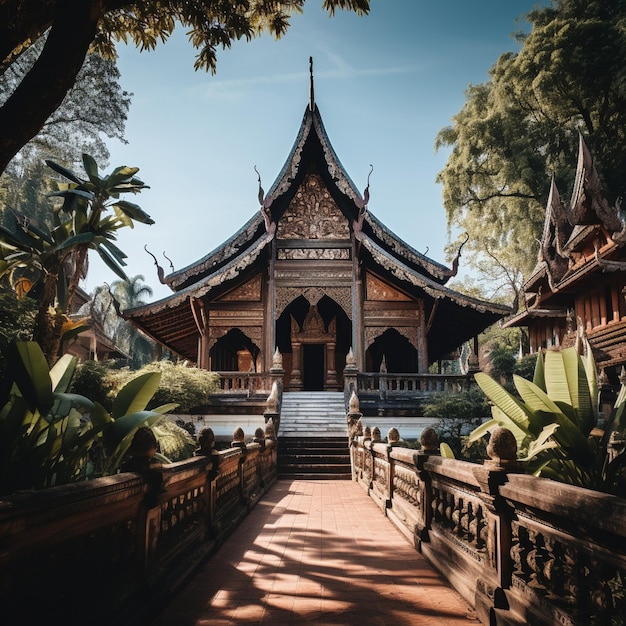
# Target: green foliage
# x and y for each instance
(47, 263)
(91, 379)
(17, 322)
(51, 437)
(552, 419)
(95, 108)
(175, 442)
(517, 129)
(189, 387)
(458, 415)
(99, 26)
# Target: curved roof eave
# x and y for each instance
(402, 248)
(230, 271)
(227, 249)
(312, 120)
(432, 288)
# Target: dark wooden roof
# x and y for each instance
(171, 322)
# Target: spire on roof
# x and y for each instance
(311, 88)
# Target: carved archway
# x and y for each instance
(234, 351)
(314, 338)
(395, 350)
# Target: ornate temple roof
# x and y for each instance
(172, 322)
(578, 240)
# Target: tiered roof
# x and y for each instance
(577, 241)
(172, 322)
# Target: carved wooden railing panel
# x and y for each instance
(520, 549)
(405, 384)
(568, 552)
(245, 383)
(106, 550)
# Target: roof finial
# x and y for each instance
(311, 89)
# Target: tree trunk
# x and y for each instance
(48, 326)
(54, 73)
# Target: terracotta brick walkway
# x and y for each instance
(317, 552)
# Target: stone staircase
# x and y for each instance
(313, 436)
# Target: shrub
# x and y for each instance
(189, 387)
(458, 414)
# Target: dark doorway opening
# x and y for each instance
(313, 367)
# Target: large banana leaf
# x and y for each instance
(506, 402)
(542, 443)
(62, 372)
(120, 435)
(569, 434)
(566, 381)
(590, 420)
(136, 394)
(32, 375)
(539, 377)
(445, 450)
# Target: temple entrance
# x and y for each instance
(313, 368)
(394, 350)
(314, 339)
(234, 352)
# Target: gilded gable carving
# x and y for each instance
(341, 295)
(313, 214)
(326, 254)
(248, 292)
(378, 290)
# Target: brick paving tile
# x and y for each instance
(316, 552)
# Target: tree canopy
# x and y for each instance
(521, 127)
(74, 28)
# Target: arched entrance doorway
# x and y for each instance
(314, 339)
(399, 355)
(234, 352)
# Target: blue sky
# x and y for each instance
(385, 85)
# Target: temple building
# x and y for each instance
(578, 285)
(315, 276)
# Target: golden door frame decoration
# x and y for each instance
(313, 332)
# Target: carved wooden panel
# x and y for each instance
(250, 292)
(255, 333)
(379, 290)
(313, 214)
(341, 295)
(409, 332)
(326, 254)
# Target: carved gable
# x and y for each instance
(248, 292)
(313, 214)
(378, 290)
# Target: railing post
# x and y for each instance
(489, 594)
(430, 447)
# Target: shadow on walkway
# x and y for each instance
(317, 552)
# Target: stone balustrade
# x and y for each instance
(103, 551)
(247, 383)
(520, 549)
(389, 384)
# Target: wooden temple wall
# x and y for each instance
(520, 549)
(109, 550)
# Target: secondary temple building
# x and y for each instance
(316, 276)
(579, 282)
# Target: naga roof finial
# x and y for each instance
(261, 191)
(311, 87)
(160, 272)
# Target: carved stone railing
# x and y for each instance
(111, 549)
(410, 384)
(520, 549)
(245, 383)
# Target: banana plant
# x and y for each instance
(48, 436)
(554, 418)
(47, 263)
